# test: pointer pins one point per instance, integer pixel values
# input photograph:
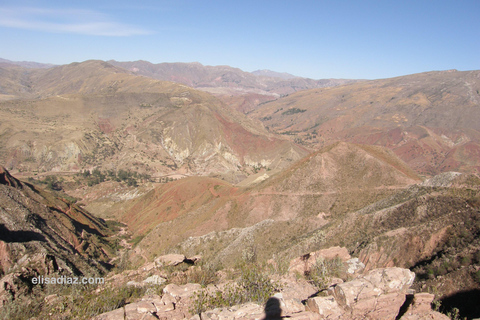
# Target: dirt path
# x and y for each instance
(288, 193)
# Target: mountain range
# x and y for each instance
(430, 120)
(94, 114)
(273, 167)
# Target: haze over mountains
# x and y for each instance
(274, 167)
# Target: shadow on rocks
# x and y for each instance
(273, 310)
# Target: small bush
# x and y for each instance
(253, 285)
(324, 270)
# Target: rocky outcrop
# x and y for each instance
(378, 294)
(8, 180)
(41, 234)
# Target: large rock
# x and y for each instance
(380, 293)
(182, 291)
(170, 260)
(420, 308)
(326, 307)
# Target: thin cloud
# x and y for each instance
(76, 21)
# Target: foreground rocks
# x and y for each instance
(377, 294)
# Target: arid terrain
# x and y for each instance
(206, 192)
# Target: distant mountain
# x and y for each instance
(25, 64)
(94, 114)
(430, 120)
(273, 74)
(242, 90)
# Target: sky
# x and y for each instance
(356, 39)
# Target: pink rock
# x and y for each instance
(170, 259)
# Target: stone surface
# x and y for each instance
(182, 291)
(380, 293)
(170, 259)
(155, 279)
(112, 315)
(420, 308)
(326, 307)
(354, 266)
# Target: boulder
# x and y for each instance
(111, 315)
(421, 308)
(326, 307)
(170, 260)
(182, 291)
(380, 293)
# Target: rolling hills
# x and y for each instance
(325, 185)
(430, 120)
(93, 114)
(243, 91)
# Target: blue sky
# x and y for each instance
(317, 39)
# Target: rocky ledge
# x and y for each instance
(376, 294)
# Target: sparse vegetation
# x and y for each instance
(293, 111)
(71, 302)
(324, 271)
(97, 176)
(252, 285)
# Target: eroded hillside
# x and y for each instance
(430, 120)
(93, 114)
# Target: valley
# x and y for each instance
(154, 176)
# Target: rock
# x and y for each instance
(170, 260)
(155, 279)
(354, 266)
(165, 307)
(51, 298)
(421, 309)
(140, 310)
(303, 265)
(327, 307)
(111, 315)
(306, 315)
(5, 257)
(146, 306)
(134, 283)
(380, 293)
(149, 266)
(182, 291)
(298, 289)
(244, 311)
(432, 315)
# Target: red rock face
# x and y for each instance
(5, 259)
(7, 179)
(41, 232)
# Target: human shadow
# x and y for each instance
(273, 311)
